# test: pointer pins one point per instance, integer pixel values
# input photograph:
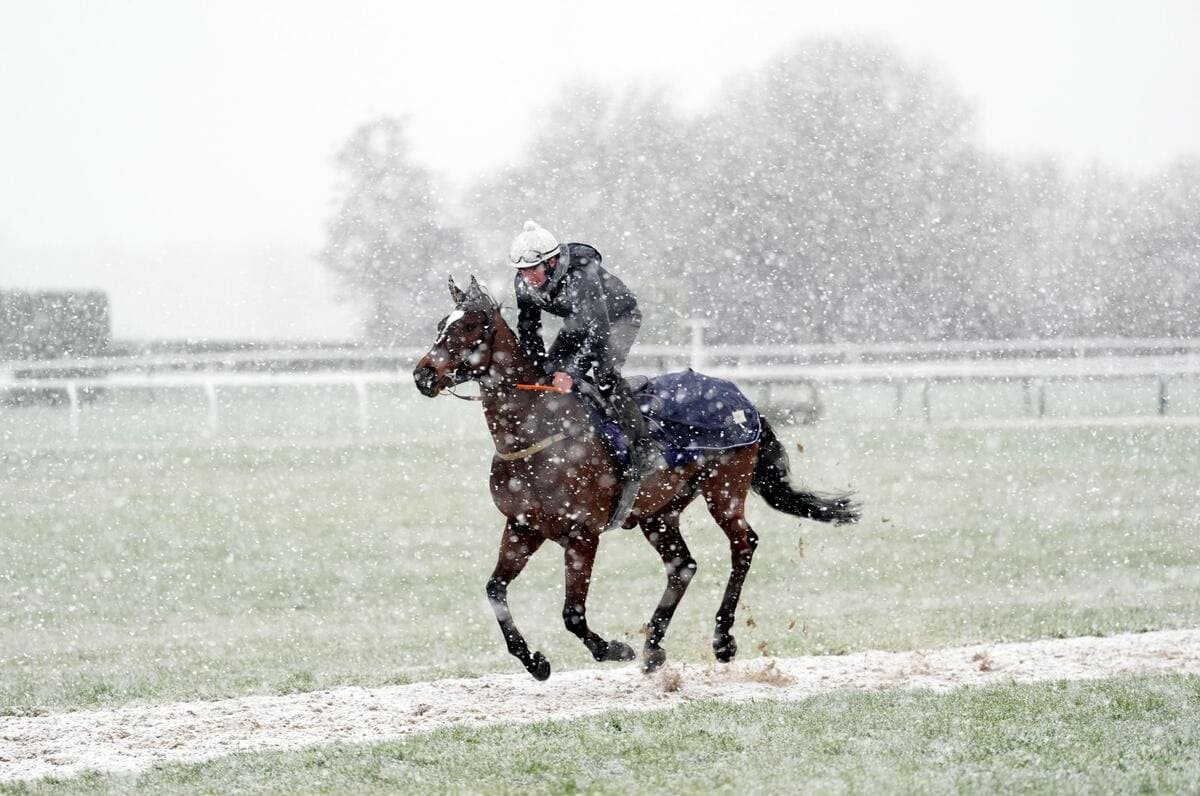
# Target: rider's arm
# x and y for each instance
(584, 335)
(529, 327)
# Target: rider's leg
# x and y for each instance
(645, 454)
(625, 410)
(608, 377)
(645, 457)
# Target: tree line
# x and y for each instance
(840, 193)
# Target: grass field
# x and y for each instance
(144, 563)
(1118, 736)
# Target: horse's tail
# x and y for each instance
(771, 481)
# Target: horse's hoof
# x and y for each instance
(653, 659)
(725, 651)
(539, 667)
(619, 651)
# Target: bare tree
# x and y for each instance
(606, 169)
(385, 242)
(844, 191)
(841, 193)
(1157, 286)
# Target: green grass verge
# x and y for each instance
(182, 570)
(1137, 734)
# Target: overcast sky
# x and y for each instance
(179, 154)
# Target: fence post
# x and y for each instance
(210, 392)
(364, 418)
(73, 397)
(697, 353)
(1163, 398)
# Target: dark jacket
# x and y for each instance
(587, 298)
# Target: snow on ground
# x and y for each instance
(135, 738)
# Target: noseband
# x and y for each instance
(463, 373)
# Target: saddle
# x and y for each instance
(688, 413)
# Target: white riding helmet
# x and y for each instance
(533, 245)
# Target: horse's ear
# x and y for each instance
(476, 293)
(457, 294)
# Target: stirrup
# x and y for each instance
(629, 493)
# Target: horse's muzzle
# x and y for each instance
(426, 378)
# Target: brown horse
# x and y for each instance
(554, 478)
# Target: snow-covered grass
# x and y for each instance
(1136, 734)
(144, 563)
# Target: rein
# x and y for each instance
(450, 391)
(536, 447)
(535, 387)
(542, 388)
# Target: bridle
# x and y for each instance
(461, 375)
(450, 391)
(476, 372)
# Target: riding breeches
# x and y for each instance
(622, 333)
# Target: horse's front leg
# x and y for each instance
(579, 558)
(518, 544)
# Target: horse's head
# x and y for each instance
(463, 349)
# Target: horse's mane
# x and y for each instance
(487, 297)
(498, 306)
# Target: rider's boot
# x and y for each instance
(645, 455)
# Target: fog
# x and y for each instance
(182, 157)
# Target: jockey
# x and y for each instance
(600, 320)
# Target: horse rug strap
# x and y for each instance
(536, 447)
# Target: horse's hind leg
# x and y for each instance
(725, 489)
(579, 557)
(518, 544)
(662, 531)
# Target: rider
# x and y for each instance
(600, 320)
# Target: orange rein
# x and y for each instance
(542, 388)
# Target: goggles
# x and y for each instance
(532, 257)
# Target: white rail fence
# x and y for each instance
(1035, 364)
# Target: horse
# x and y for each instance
(554, 478)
